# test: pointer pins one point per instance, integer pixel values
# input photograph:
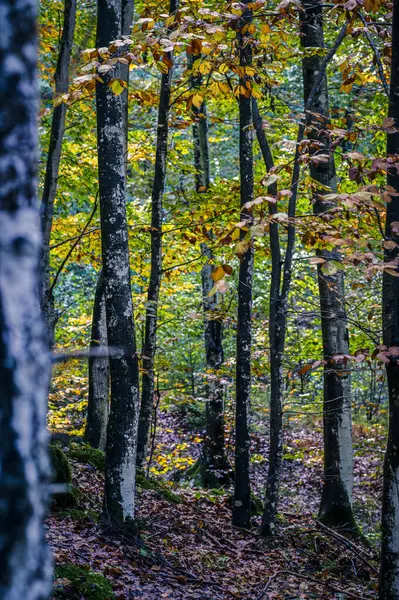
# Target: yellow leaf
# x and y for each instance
(218, 274)
(117, 86)
(205, 67)
(197, 100)
(161, 67)
(223, 87)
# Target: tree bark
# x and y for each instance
(279, 292)
(389, 570)
(242, 489)
(213, 467)
(121, 444)
(25, 569)
(98, 404)
(53, 163)
(277, 328)
(150, 335)
(127, 19)
(336, 500)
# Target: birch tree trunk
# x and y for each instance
(53, 163)
(336, 500)
(150, 335)
(242, 489)
(98, 404)
(121, 444)
(25, 570)
(389, 570)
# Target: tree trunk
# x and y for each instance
(25, 569)
(121, 444)
(97, 408)
(389, 571)
(150, 335)
(214, 460)
(53, 163)
(127, 19)
(336, 499)
(279, 291)
(277, 329)
(212, 467)
(242, 489)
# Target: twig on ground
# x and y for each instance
(358, 550)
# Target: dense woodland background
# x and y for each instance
(216, 262)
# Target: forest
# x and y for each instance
(199, 300)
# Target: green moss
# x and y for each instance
(149, 483)
(256, 505)
(79, 515)
(61, 468)
(73, 582)
(86, 454)
(62, 474)
(200, 475)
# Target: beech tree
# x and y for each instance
(242, 489)
(158, 188)
(389, 570)
(281, 276)
(24, 358)
(53, 163)
(98, 400)
(120, 470)
(212, 468)
(336, 499)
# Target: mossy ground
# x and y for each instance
(161, 488)
(74, 582)
(62, 474)
(86, 454)
(199, 475)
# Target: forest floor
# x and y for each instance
(189, 550)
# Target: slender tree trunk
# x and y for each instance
(97, 409)
(279, 292)
(277, 328)
(336, 499)
(150, 335)
(25, 570)
(389, 571)
(127, 19)
(121, 444)
(212, 468)
(242, 489)
(53, 163)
